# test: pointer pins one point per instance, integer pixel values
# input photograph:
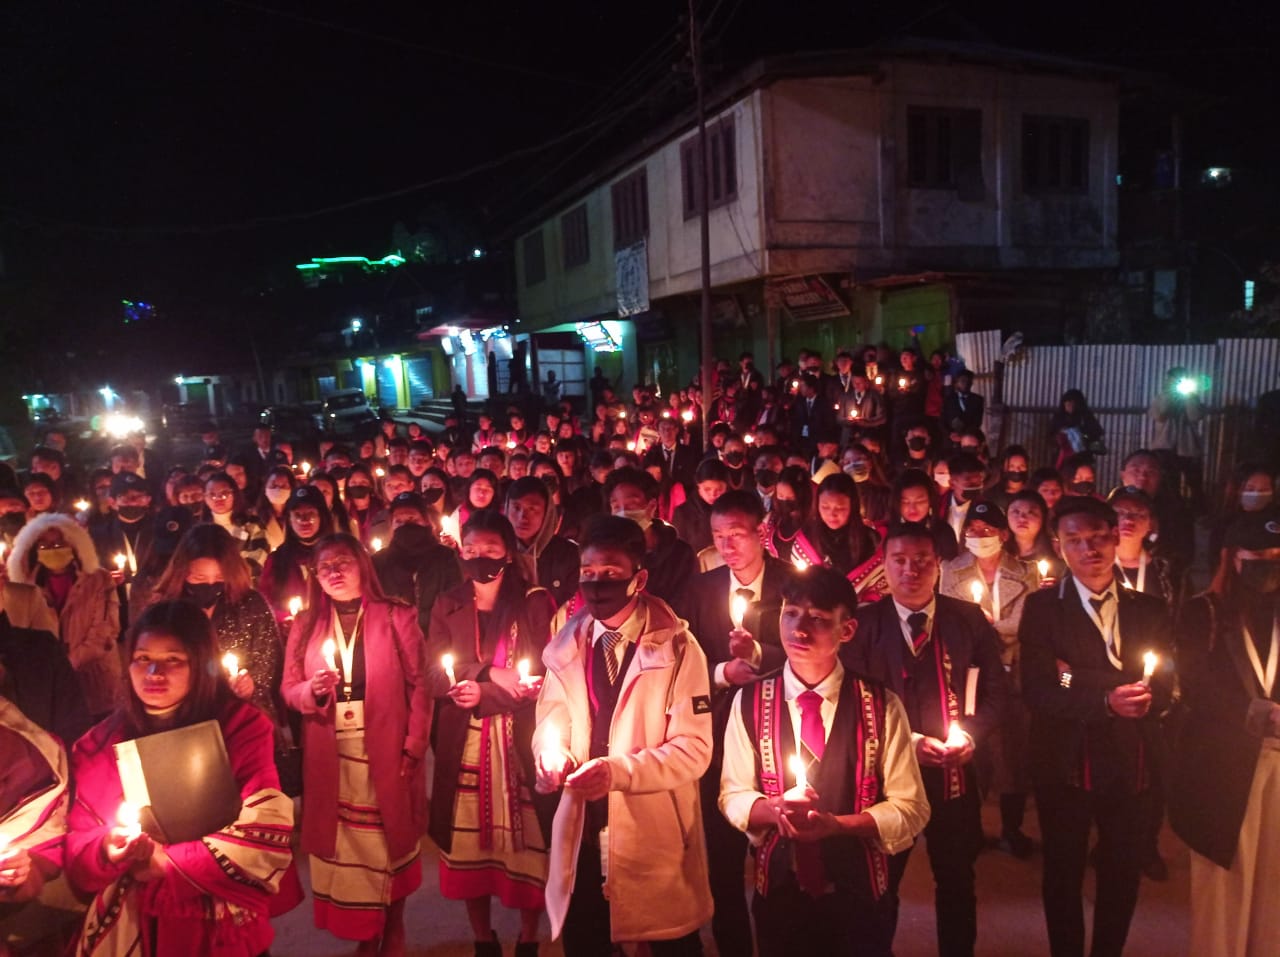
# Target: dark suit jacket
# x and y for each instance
(710, 623)
(1055, 627)
(683, 466)
(970, 417)
(878, 652)
(822, 418)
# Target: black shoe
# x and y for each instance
(489, 948)
(1156, 869)
(526, 948)
(1017, 844)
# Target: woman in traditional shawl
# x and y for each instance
(210, 896)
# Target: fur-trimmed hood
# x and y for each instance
(72, 532)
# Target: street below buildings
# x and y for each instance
(1010, 918)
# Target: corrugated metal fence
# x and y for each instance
(1119, 383)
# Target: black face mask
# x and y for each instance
(917, 443)
(1015, 476)
(606, 598)
(204, 594)
(339, 474)
(1260, 575)
(132, 513)
(12, 522)
(359, 492)
(432, 495)
(482, 569)
(766, 478)
(967, 494)
(734, 459)
(195, 508)
(413, 537)
(1081, 488)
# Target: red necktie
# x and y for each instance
(918, 622)
(810, 872)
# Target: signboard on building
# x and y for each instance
(632, 264)
(808, 297)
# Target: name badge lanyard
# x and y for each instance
(347, 649)
(1111, 636)
(1266, 675)
(1142, 570)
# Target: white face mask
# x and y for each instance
(278, 496)
(983, 547)
(1255, 500)
(638, 515)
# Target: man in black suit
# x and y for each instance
(678, 462)
(737, 654)
(811, 414)
(942, 658)
(1094, 726)
(962, 408)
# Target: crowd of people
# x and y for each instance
(646, 674)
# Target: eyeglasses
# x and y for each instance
(339, 566)
(219, 496)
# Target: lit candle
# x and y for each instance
(82, 506)
(375, 544)
(795, 385)
(380, 471)
(902, 383)
(797, 794)
(738, 610)
(666, 413)
(853, 413)
(749, 438)
(304, 467)
(976, 589)
(799, 561)
(120, 561)
(232, 664)
(1149, 662)
(129, 819)
(522, 666)
(631, 446)
(295, 606)
(446, 662)
(879, 380)
(955, 736)
(328, 650)
(622, 414)
(1042, 567)
(687, 415)
(511, 444)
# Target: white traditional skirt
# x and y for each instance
(353, 888)
(1235, 912)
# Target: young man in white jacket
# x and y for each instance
(624, 727)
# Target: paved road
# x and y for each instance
(1010, 920)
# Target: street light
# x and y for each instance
(356, 325)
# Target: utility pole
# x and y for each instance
(704, 222)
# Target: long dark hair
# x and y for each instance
(207, 541)
(239, 510)
(265, 511)
(859, 540)
(209, 691)
(319, 607)
(338, 518)
(1044, 538)
(293, 550)
(510, 609)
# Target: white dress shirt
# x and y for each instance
(718, 679)
(899, 817)
(1108, 620)
(630, 632)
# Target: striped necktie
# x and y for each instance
(918, 622)
(610, 641)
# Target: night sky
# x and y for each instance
(134, 132)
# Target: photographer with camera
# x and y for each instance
(1176, 413)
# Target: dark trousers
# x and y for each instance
(844, 923)
(726, 872)
(586, 926)
(953, 838)
(1066, 815)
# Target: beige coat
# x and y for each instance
(659, 747)
(26, 608)
(89, 624)
(1017, 581)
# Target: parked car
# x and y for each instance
(345, 411)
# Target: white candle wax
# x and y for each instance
(1149, 662)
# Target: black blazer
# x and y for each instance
(710, 623)
(1056, 628)
(821, 419)
(970, 417)
(878, 651)
(1219, 737)
(684, 463)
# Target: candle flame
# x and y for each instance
(955, 736)
(446, 662)
(522, 666)
(380, 471)
(797, 769)
(902, 383)
(976, 589)
(687, 415)
(375, 544)
(1149, 662)
(231, 663)
(82, 505)
(328, 650)
(879, 380)
(749, 438)
(738, 610)
(631, 446)
(622, 414)
(120, 560)
(295, 606)
(1042, 567)
(304, 467)
(800, 562)
(129, 817)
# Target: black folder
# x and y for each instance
(181, 781)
